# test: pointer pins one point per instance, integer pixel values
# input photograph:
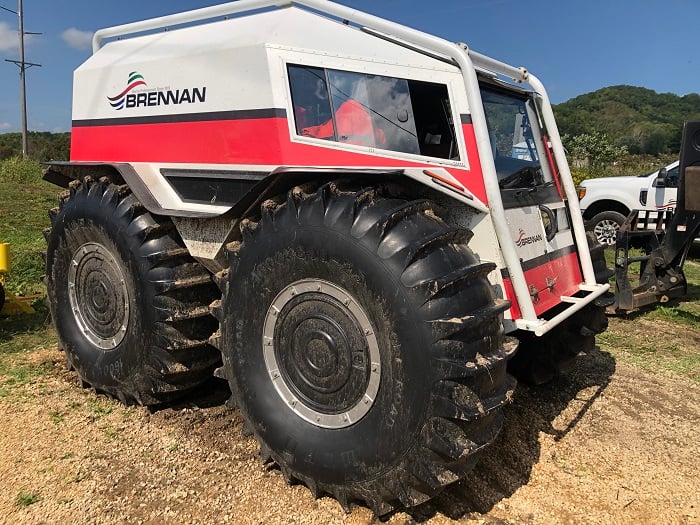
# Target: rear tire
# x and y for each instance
(363, 344)
(605, 226)
(129, 304)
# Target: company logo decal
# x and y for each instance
(137, 94)
(523, 239)
(135, 80)
(670, 206)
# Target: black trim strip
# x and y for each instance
(185, 117)
(215, 190)
(214, 174)
(466, 118)
(542, 259)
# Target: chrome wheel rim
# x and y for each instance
(606, 231)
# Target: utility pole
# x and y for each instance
(23, 66)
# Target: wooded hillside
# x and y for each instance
(641, 119)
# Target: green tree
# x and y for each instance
(594, 148)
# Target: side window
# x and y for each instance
(672, 177)
(372, 110)
(310, 99)
(433, 116)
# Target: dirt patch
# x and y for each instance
(609, 443)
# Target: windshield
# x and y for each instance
(515, 144)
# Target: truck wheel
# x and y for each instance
(605, 226)
(363, 344)
(129, 304)
(540, 359)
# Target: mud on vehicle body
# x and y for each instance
(363, 219)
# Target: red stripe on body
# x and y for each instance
(474, 178)
(239, 141)
(568, 274)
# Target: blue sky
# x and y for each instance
(573, 46)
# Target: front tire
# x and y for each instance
(605, 226)
(364, 345)
(130, 306)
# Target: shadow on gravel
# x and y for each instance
(212, 393)
(507, 464)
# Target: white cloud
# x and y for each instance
(77, 39)
(5, 125)
(9, 40)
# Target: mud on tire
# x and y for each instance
(363, 344)
(129, 304)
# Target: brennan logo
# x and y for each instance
(132, 97)
(522, 240)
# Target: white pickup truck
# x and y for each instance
(606, 202)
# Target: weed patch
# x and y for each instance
(24, 499)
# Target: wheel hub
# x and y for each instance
(98, 295)
(321, 353)
(606, 231)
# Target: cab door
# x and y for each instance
(662, 194)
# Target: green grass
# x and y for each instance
(20, 336)
(24, 204)
(24, 499)
(99, 407)
(660, 337)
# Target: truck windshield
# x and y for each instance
(515, 143)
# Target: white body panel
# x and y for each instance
(230, 58)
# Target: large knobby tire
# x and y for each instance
(363, 344)
(605, 226)
(130, 306)
(540, 359)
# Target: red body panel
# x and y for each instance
(568, 277)
(264, 141)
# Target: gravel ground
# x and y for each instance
(610, 443)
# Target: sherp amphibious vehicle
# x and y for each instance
(354, 223)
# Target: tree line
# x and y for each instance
(43, 146)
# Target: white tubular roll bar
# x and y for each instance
(466, 60)
(205, 13)
(566, 180)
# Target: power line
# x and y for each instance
(23, 66)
